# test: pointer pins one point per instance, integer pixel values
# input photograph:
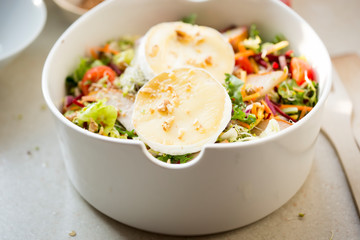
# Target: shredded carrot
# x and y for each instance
(242, 91)
(278, 118)
(93, 53)
(252, 96)
(254, 109)
(241, 47)
(243, 124)
(297, 106)
(94, 92)
(298, 89)
(114, 51)
(254, 65)
(261, 117)
(303, 112)
(244, 53)
(74, 108)
(267, 109)
(107, 49)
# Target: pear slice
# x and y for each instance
(266, 81)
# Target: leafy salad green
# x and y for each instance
(293, 91)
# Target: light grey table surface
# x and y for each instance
(37, 201)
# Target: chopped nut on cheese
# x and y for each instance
(166, 125)
(183, 36)
(154, 50)
(181, 133)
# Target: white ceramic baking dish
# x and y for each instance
(227, 185)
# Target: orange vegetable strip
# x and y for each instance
(254, 65)
(267, 109)
(243, 94)
(113, 51)
(254, 109)
(278, 118)
(105, 48)
(93, 53)
(74, 108)
(298, 89)
(282, 106)
(252, 96)
(302, 114)
(244, 53)
(241, 47)
(243, 124)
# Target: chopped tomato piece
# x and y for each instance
(289, 53)
(244, 64)
(275, 65)
(298, 67)
(93, 75)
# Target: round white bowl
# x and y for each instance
(227, 185)
(21, 22)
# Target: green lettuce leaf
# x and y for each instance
(233, 87)
(123, 132)
(126, 42)
(238, 114)
(104, 115)
(124, 56)
(278, 38)
(307, 97)
(191, 19)
(253, 31)
(174, 158)
(80, 71)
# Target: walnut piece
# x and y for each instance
(154, 50)
(183, 36)
(166, 125)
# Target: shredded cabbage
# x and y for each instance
(131, 79)
(253, 43)
(124, 56)
(104, 115)
(271, 128)
(236, 133)
(231, 135)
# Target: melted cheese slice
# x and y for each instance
(180, 111)
(176, 44)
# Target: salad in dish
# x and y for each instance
(181, 86)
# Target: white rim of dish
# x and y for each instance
(324, 93)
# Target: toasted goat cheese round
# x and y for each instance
(176, 44)
(179, 111)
